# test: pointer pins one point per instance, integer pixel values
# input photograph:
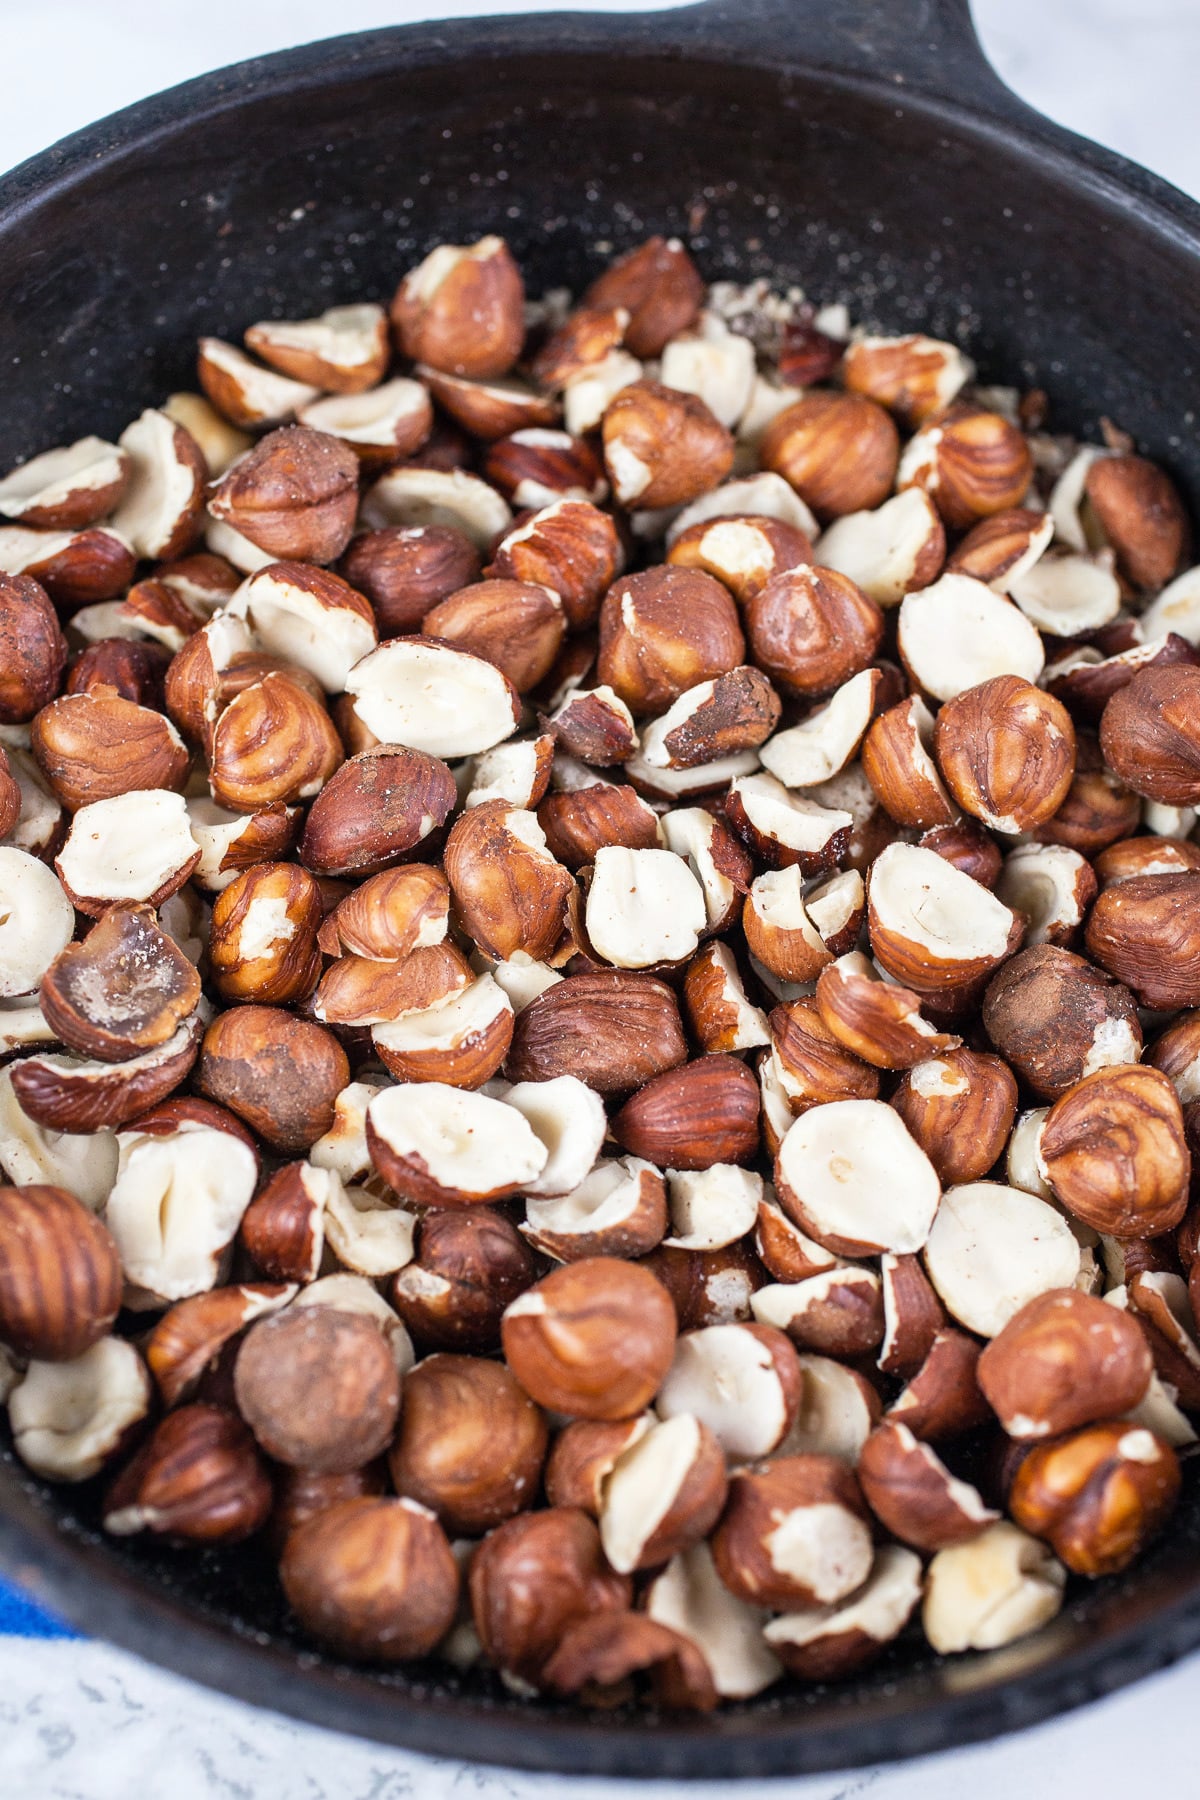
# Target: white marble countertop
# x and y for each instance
(80, 1721)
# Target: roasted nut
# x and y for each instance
(594, 725)
(794, 1533)
(36, 921)
(273, 743)
(879, 1021)
(1006, 751)
(162, 504)
(461, 309)
(94, 746)
(931, 926)
(597, 1657)
(689, 1118)
(836, 1164)
(912, 1492)
(960, 1107)
(898, 762)
(279, 1073)
(243, 391)
(1056, 1019)
(1065, 1360)
(294, 495)
(531, 1579)
(301, 1494)
(63, 1093)
(469, 1264)
(69, 1419)
(375, 809)
(433, 698)
(838, 1311)
(343, 351)
(34, 650)
(1052, 887)
(690, 1598)
(912, 1315)
(569, 546)
(972, 463)
(664, 631)
(470, 1445)
(373, 1577)
(741, 1380)
(889, 552)
(190, 1336)
(1150, 733)
(613, 1030)
(736, 711)
(1001, 550)
(76, 568)
(957, 633)
(1098, 1496)
(404, 571)
(510, 893)
(991, 1248)
(198, 1479)
(593, 1340)
(830, 1642)
(442, 1146)
(421, 494)
(283, 1228)
(581, 822)
(643, 907)
(318, 1388)
(663, 1494)
(663, 447)
(263, 940)
(124, 990)
(60, 1276)
(537, 465)
(942, 1398)
(915, 377)
(1145, 856)
(615, 1209)
(719, 1013)
(659, 287)
(968, 846)
(839, 451)
(67, 488)
(986, 1593)
(744, 553)
(811, 629)
(1143, 931)
(1140, 513)
(309, 617)
(10, 796)
(357, 990)
(1114, 1152)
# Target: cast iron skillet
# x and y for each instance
(865, 151)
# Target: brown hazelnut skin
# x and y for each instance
(300, 1494)
(405, 570)
(10, 796)
(295, 495)
(612, 1029)
(1142, 516)
(660, 288)
(280, 1073)
(1146, 932)
(473, 321)
(274, 742)
(572, 547)
(582, 1457)
(125, 989)
(599, 1657)
(471, 1443)
(1095, 1497)
(913, 1494)
(1115, 1152)
(289, 968)
(318, 1388)
(703, 1113)
(33, 650)
(594, 1339)
(817, 1064)
(1043, 1009)
(1006, 751)
(1066, 1359)
(761, 1495)
(811, 629)
(60, 1274)
(979, 464)
(1150, 733)
(375, 1578)
(375, 809)
(962, 1132)
(673, 436)
(968, 847)
(518, 625)
(839, 452)
(533, 1577)
(470, 1263)
(663, 631)
(197, 1479)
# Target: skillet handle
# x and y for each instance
(929, 47)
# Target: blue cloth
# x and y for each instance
(23, 1617)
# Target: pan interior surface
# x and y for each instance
(323, 183)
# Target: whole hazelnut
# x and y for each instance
(33, 650)
(663, 447)
(471, 1443)
(1146, 932)
(1006, 751)
(60, 1274)
(294, 495)
(1150, 734)
(664, 631)
(533, 1577)
(1115, 1154)
(1055, 1018)
(375, 1578)
(518, 625)
(658, 285)
(972, 463)
(811, 629)
(198, 1479)
(593, 1340)
(1065, 1360)
(1098, 1496)
(1140, 512)
(274, 743)
(280, 1073)
(462, 309)
(282, 962)
(960, 1107)
(405, 570)
(318, 1388)
(839, 452)
(470, 1263)
(375, 809)
(570, 546)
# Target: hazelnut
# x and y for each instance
(839, 451)
(968, 846)
(595, 726)
(161, 507)
(570, 547)
(534, 466)
(198, 1479)
(990, 1249)
(957, 633)
(1141, 514)
(462, 309)
(470, 1263)
(912, 1315)
(689, 1118)
(301, 1494)
(612, 1029)
(785, 828)
(443, 1146)
(913, 1494)
(375, 809)
(517, 625)
(915, 377)
(664, 631)
(391, 914)
(373, 1577)
(644, 907)
(879, 1021)
(908, 890)
(794, 1533)
(942, 1398)
(273, 743)
(1097, 1496)
(838, 1311)
(897, 759)
(690, 1597)
(889, 552)
(1002, 549)
(1114, 1152)
(580, 823)
(582, 340)
(263, 940)
(318, 1388)
(787, 1252)
(1145, 856)
(663, 1494)
(66, 488)
(959, 1106)
(124, 990)
(33, 650)
(280, 1073)
(1143, 932)
(1055, 1019)
(743, 553)
(358, 990)
(283, 1228)
(660, 288)
(191, 1335)
(615, 1209)
(69, 1419)
(509, 891)
(1150, 733)
(60, 1274)
(826, 1643)
(1053, 888)
(718, 718)
(94, 746)
(986, 1593)
(433, 698)
(1007, 753)
(972, 463)
(597, 1658)
(835, 1163)
(663, 447)
(76, 568)
(343, 351)
(720, 1015)
(811, 629)
(1065, 1360)
(294, 495)
(470, 1445)
(531, 1579)
(404, 571)
(593, 1340)
(741, 1380)
(583, 1456)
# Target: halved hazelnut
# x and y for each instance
(617, 1209)
(913, 1494)
(283, 1228)
(244, 392)
(219, 441)
(162, 503)
(719, 863)
(786, 828)
(889, 552)
(36, 920)
(742, 1381)
(67, 488)
(991, 1248)
(308, 616)
(536, 465)
(597, 1658)
(445, 1146)
(943, 1397)
(570, 1120)
(188, 1339)
(713, 1207)
(986, 1593)
(86, 1166)
(69, 1419)
(663, 1494)
(718, 718)
(357, 990)
(643, 907)
(1065, 1360)
(958, 633)
(66, 1094)
(960, 1107)
(1002, 549)
(690, 1597)
(460, 1041)
(124, 990)
(878, 1020)
(593, 1340)
(794, 1533)
(765, 495)
(743, 553)
(828, 739)
(76, 568)
(136, 846)
(829, 1642)
(811, 1064)
(1067, 595)
(718, 1011)
(714, 363)
(594, 725)
(930, 925)
(344, 350)
(838, 1312)
(1052, 887)
(489, 409)
(786, 1251)
(898, 762)
(433, 698)
(411, 496)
